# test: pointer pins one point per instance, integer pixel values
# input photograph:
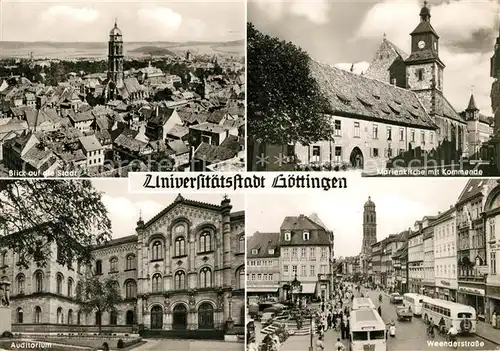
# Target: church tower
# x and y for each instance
(424, 68)
(369, 227)
(115, 58)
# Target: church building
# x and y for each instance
(118, 87)
(369, 234)
(396, 107)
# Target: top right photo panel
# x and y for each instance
(385, 88)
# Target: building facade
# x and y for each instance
(184, 270)
(416, 259)
(492, 226)
(471, 248)
(263, 265)
(428, 280)
(306, 254)
(369, 233)
(445, 255)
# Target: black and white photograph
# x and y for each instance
(88, 266)
(388, 88)
(376, 267)
(103, 88)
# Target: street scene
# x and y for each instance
(112, 87)
(380, 94)
(429, 272)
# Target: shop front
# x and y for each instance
(446, 290)
(493, 301)
(473, 295)
(429, 290)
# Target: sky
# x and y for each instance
(344, 32)
(124, 208)
(91, 21)
(399, 203)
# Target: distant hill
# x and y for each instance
(153, 50)
(240, 42)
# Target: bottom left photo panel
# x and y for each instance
(86, 265)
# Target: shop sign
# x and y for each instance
(493, 291)
(445, 283)
(471, 290)
(323, 286)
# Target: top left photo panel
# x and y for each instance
(104, 88)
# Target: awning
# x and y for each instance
(261, 289)
(308, 288)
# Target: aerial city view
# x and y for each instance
(375, 268)
(108, 89)
(409, 94)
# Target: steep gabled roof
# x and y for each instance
(263, 242)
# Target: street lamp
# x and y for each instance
(296, 289)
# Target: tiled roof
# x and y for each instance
(178, 147)
(179, 131)
(424, 27)
(424, 55)
(90, 143)
(444, 108)
(232, 142)
(217, 116)
(385, 56)
(209, 127)
(263, 242)
(472, 104)
(161, 115)
(81, 116)
(473, 188)
(212, 154)
(353, 95)
(38, 157)
(297, 224)
(125, 141)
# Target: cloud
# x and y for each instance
(467, 63)
(315, 11)
(358, 68)
(162, 19)
(65, 13)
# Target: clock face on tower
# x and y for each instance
(421, 44)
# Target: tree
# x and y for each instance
(35, 214)
(96, 295)
(285, 104)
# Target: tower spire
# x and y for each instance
(116, 22)
(425, 13)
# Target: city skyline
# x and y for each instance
(124, 208)
(354, 31)
(140, 21)
(397, 204)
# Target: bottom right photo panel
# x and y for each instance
(385, 264)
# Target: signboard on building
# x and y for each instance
(445, 283)
(471, 290)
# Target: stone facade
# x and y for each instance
(183, 270)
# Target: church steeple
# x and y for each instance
(425, 13)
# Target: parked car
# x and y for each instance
(396, 299)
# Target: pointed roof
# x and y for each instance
(425, 22)
(472, 104)
(315, 218)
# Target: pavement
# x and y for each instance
(189, 345)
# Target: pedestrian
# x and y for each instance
(342, 330)
(334, 319)
(329, 319)
(348, 330)
(379, 309)
(319, 343)
(494, 319)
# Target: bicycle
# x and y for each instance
(430, 331)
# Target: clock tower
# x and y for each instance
(424, 69)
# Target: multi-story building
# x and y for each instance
(183, 271)
(263, 265)
(428, 280)
(492, 224)
(392, 244)
(445, 255)
(376, 262)
(369, 233)
(471, 246)
(400, 260)
(416, 255)
(479, 128)
(306, 249)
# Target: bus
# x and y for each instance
(362, 303)
(447, 313)
(414, 303)
(367, 331)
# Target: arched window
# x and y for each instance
(113, 265)
(241, 246)
(21, 280)
(70, 287)
(20, 315)
(157, 283)
(130, 289)
(113, 318)
(70, 317)
(59, 283)
(37, 315)
(240, 278)
(205, 242)
(98, 267)
(130, 262)
(60, 317)
(180, 246)
(39, 281)
(205, 277)
(180, 280)
(156, 251)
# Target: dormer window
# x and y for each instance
(255, 251)
(305, 235)
(271, 251)
(288, 236)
